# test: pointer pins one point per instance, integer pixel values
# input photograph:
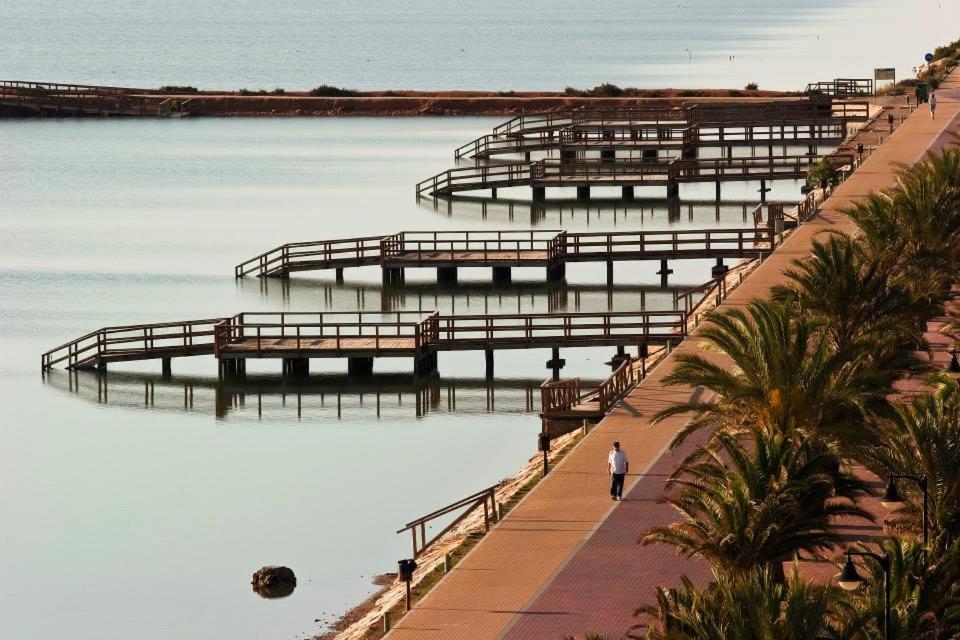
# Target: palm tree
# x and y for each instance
(755, 606)
(859, 301)
(923, 439)
(924, 598)
(757, 500)
(781, 373)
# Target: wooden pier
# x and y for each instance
(49, 98)
(297, 337)
(616, 172)
(819, 120)
(447, 251)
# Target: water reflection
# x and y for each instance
(278, 399)
(468, 297)
(648, 213)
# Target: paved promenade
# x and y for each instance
(565, 562)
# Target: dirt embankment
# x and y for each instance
(412, 103)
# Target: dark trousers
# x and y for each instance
(616, 485)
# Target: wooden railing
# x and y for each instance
(320, 254)
(486, 498)
(481, 177)
(628, 116)
(601, 244)
(842, 88)
(432, 246)
(546, 329)
(783, 132)
(534, 122)
(142, 341)
(710, 169)
(257, 331)
(75, 98)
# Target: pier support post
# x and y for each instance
(689, 153)
(423, 365)
(665, 271)
(493, 193)
(583, 193)
(392, 275)
(718, 191)
(296, 367)
(556, 272)
(763, 191)
(618, 358)
(609, 273)
(648, 155)
(539, 194)
(359, 366)
(608, 156)
(526, 156)
(627, 193)
(673, 189)
(729, 152)
(339, 275)
(165, 368)
(488, 358)
(555, 363)
(501, 275)
(719, 269)
(567, 155)
(447, 275)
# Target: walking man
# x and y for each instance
(933, 105)
(618, 465)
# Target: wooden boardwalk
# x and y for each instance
(753, 124)
(620, 172)
(361, 336)
(565, 561)
(49, 98)
(509, 248)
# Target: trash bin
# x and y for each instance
(923, 92)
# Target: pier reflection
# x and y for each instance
(647, 213)
(325, 397)
(468, 297)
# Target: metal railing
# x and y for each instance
(487, 498)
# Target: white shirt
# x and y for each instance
(617, 461)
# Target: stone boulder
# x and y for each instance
(274, 582)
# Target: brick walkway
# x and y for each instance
(565, 561)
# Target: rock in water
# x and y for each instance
(274, 582)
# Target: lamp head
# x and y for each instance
(849, 579)
(891, 495)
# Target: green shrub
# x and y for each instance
(175, 88)
(823, 170)
(752, 86)
(278, 92)
(326, 91)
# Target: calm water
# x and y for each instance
(496, 44)
(136, 507)
(139, 507)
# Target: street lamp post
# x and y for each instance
(892, 498)
(850, 580)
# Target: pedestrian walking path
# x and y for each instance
(565, 561)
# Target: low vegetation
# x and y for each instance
(810, 398)
(327, 91)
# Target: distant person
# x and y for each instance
(618, 465)
(890, 121)
(933, 105)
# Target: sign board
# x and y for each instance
(885, 74)
(928, 57)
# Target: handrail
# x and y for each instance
(254, 331)
(486, 498)
(357, 251)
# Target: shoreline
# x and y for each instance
(190, 102)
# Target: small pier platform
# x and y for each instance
(447, 251)
(297, 337)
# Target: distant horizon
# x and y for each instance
(428, 46)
